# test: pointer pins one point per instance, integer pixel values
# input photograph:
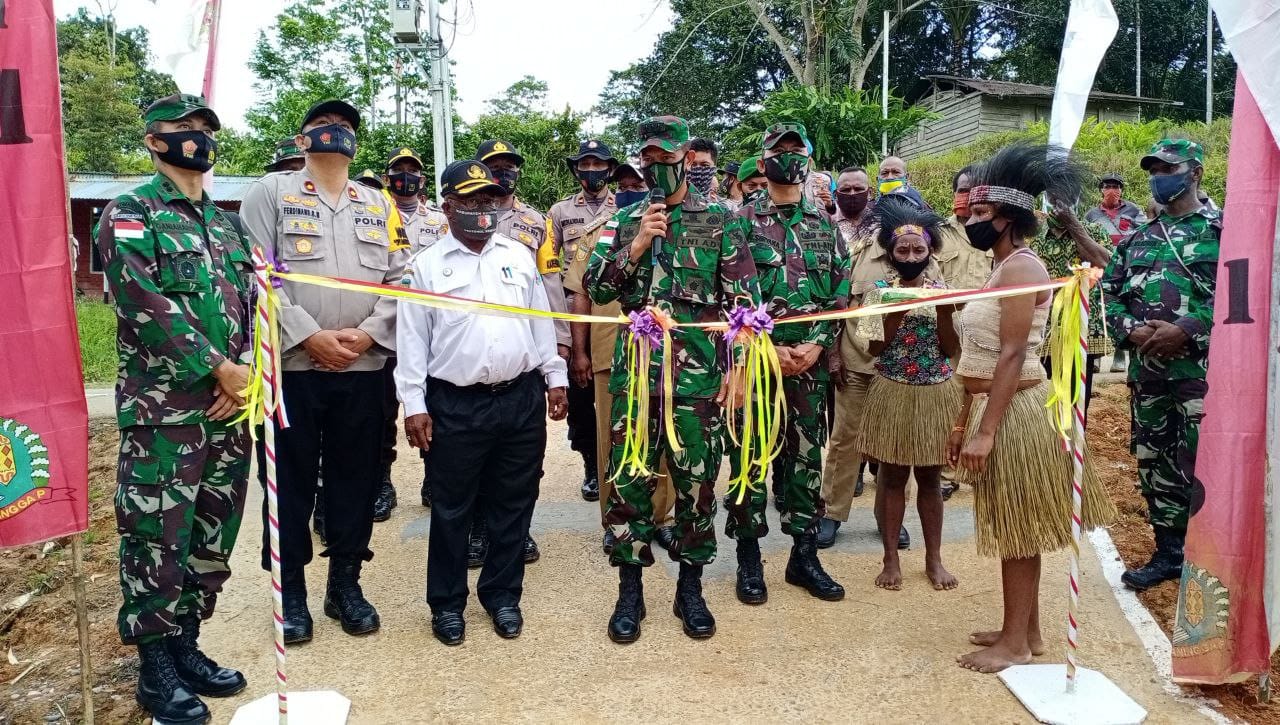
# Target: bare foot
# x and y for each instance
(993, 659)
(986, 639)
(890, 577)
(941, 578)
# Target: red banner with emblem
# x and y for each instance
(44, 423)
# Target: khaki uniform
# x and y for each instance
(526, 225)
(602, 340)
(426, 226)
(571, 219)
(963, 267)
(285, 213)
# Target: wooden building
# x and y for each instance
(90, 193)
(972, 107)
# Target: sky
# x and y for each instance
(570, 44)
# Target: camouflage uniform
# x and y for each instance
(698, 275)
(1166, 270)
(803, 267)
(181, 277)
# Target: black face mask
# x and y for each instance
(851, 205)
(332, 139)
(594, 180)
(982, 235)
(625, 199)
(193, 150)
(786, 168)
(909, 270)
(405, 183)
(507, 179)
(475, 223)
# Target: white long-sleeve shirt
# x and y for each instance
(466, 348)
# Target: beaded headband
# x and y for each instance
(1002, 195)
(906, 229)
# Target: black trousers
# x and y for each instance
(489, 445)
(390, 412)
(335, 421)
(582, 419)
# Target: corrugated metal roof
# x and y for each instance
(109, 186)
(1008, 88)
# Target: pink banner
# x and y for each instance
(44, 425)
(1220, 631)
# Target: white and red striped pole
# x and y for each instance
(1081, 359)
(266, 357)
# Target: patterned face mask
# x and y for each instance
(702, 177)
(667, 177)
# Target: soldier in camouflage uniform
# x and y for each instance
(682, 262)
(1159, 289)
(180, 276)
(803, 267)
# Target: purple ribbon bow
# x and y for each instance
(645, 326)
(756, 319)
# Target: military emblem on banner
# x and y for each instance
(24, 468)
(1200, 623)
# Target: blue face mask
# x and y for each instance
(1166, 188)
(625, 199)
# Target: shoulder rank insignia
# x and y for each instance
(374, 209)
(351, 193)
(309, 187)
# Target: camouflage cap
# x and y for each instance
(178, 106)
(669, 133)
(1174, 151)
(748, 168)
(285, 150)
(778, 131)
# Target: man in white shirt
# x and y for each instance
(472, 386)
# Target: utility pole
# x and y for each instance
(1208, 66)
(1137, 83)
(441, 98)
(884, 84)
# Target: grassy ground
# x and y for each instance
(97, 323)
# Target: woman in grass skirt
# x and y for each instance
(1003, 442)
(912, 400)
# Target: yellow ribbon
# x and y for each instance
(1067, 348)
(256, 407)
(764, 408)
(635, 441)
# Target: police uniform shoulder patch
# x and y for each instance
(351, 193)
(291, 199)
(309, 187)
(528, 219)
(373, 209)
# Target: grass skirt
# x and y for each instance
(908, 425)
(1022, 503)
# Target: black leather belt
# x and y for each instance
(490, 388)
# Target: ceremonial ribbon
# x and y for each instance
(264, 367)
(758, 374)
(1067, 346)
(649, 328)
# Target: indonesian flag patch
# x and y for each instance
(127, 228)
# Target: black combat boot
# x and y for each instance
(161, 692)
(804, 570)
(477, 544)
(689, 606)
(297, 618)
(751, 588)
(199, 672)
(624, 625)
(345, 602)
(386, 499)
(590, 477)
(1165, 564)
(317, 518)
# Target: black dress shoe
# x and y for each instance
(201, 674)
(666, 537)
(949, 489)
(904, 539)
(385, 501)
(531, 553)
(827, 529)
(608, 542)
(477, 545)
(628, 612)
(449, 627)
(590, 477)
(507, 622)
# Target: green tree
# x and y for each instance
(544, 140)
(103, 126)
(525, 96)
(844, 125)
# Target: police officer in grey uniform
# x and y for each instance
(334, 345)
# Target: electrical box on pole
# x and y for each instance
(406, 27)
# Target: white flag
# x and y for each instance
(1252, 31)
(180, 40)
(1091, 26)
